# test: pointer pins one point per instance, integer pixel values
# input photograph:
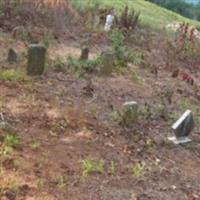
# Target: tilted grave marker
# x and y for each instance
(182, 128)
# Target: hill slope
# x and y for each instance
(151, 14)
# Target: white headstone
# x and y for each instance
(109, 22)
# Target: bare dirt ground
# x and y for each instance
(62, 120)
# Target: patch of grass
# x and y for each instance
(90, 166)
(13, 75)
(137, 169)
(34, 144)
(43, 160)
(136, 78)
(59, 64)
(40, 183)
(61, 181)
(5, 150)
(11, 140)
(112, 167)
(82, 66)
(27, 98)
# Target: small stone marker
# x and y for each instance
(130, 112)
(36, 59)
(107, 63)
(84, 53)
(182, 128)
(12, 56)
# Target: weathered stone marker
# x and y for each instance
(36, 59)
(182, 128)
(12, 56)
(107, 63)
(84, 53)
(130, 112)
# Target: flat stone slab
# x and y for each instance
(180, 140)
(131, 103)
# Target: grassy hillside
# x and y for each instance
(151, 14)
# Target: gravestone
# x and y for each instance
(36, 59)
(107, 63)
(130, 112)
(109, 22)
(182, 128)
(12, 56)
(84, 53)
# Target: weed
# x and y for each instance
(40, 183)
(11, 141)
(27, 98)
(136, 78)
(5, 150)
(61, 181)
(43, 160)
(59, 64)
(115, 116)
(34, 144)
(13, 75)
(112, 167)
(137, 169)
(90, 166)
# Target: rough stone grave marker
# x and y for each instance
(107, 63)
(182, 128)
(84, 53)
(36, 59)
(12, 56)
(130, 112)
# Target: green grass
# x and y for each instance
(90, 166)
(11, 140)
(151, 14)
(13, 75)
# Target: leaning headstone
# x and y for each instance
(36, 59)
(12, 56)
(84, 53)
(129, 112)
(182, 128)
(107, 62)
